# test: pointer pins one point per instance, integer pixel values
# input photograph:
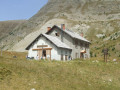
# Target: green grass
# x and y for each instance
(21, 74)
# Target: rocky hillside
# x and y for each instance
(6, 28)
(96, 18)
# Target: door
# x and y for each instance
(81, 55)
(44, 54)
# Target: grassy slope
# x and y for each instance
(20, 74)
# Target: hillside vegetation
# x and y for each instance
(21, 74)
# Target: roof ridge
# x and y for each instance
(71, 33)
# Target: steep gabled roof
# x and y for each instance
(56, 41)
(52, 39)
(70, 33)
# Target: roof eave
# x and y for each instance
(28, 47)
(65, 48)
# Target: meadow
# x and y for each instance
(20, 74)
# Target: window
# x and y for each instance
(81, 43)
(87, 45)
(62, 57)
(57, 34)
(66, 57)
(65, 52)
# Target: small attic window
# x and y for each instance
(57, 34)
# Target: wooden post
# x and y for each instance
(104, 57)
(105, 51)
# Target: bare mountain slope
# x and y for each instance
(90, 16)
(6, 28)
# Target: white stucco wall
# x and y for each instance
(64, 52)
(71, 43)
(55, 52)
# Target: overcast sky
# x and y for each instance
(19, 9)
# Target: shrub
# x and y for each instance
(111, 38)
(116, 34)
(91, 54)
(114, 39)
(113, 48)
(95, 55)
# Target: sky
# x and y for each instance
(19, 9)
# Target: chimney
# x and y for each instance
(63, 26)
(48, 28)
(81, 34)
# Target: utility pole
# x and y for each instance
(105, 52)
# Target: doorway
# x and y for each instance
(44, 53)
(81, 55)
